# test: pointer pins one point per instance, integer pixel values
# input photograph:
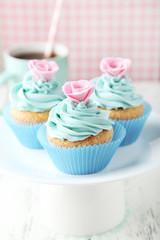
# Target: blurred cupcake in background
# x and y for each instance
(114, 92)
(79, 136)
(31, 101)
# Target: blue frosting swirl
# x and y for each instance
(36, 96)
(115, 92)
(75, 122)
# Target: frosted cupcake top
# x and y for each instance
(113, 89)
(39, 91)
(77, 117)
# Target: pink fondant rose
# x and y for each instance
(78, 91)
(115, 66)
(43, 69)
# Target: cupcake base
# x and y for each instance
(27, 134)
(103, 137)
(82, 160)
(28, 117)
(134, 127)
(125, 114)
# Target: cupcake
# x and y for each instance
(114, 92)
(78, 136)
(31, 100)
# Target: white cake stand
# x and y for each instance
(81, 205)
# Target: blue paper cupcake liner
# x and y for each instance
(26, 134)
(82, 160)
(134, 127)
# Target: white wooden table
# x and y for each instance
(19, 202)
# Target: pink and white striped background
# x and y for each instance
(91, 29)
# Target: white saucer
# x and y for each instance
(35, 165)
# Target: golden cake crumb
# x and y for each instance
(29, 117)
(125, 114)
(103, 137)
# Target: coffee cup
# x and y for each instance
(16, 61)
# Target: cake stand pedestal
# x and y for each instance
(82, 210)
(85, 204)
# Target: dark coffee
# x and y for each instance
(33, 55)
